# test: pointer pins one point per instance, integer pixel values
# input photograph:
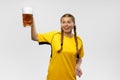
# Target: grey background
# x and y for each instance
(98, 23)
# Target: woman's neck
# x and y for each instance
(68, 35)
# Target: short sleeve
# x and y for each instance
(81, 52)
(46, 38)
(81, 48)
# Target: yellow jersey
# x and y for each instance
(61, 65)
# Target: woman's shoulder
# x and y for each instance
(79, 38)
(54, 32)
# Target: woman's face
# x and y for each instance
(67, 24)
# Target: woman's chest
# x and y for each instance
(69, 45)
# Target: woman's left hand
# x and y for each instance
(78, 71)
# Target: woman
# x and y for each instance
(67, 50)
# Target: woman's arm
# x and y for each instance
(78, 70)
(78, 61)
(34, 32)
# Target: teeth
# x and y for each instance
(66, 27)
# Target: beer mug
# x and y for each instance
(27, 15)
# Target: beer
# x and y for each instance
(27, 19)
(27, 16)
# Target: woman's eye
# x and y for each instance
(63, 22)
(69, 22)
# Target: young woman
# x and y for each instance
(66, 49)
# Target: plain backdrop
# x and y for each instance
(98, 24)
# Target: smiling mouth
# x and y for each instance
(66, 28)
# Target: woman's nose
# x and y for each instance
(66, 24)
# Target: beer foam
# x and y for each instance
(27, 10)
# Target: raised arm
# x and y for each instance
(34, 32)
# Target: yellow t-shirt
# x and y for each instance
(62, 65)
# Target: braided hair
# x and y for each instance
(75, 34)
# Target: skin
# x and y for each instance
(67, 26)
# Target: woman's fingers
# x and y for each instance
(78, 72)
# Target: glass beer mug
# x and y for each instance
(27, 15)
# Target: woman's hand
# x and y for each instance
(78, 71)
